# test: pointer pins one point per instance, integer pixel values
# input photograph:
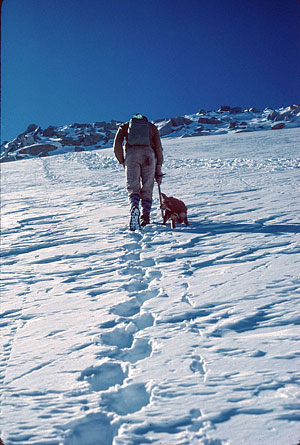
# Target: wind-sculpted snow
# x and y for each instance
(165, 337)
(265, 164)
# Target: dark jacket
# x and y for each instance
(154, 142)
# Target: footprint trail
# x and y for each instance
(160, 336)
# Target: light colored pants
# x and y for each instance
(140, 164)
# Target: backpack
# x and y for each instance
(138, 131)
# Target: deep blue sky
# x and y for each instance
(66, 61)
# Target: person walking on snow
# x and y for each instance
(142, 163)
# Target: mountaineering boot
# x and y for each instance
(145, 219)
(134, 223)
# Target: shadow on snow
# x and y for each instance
(219, 228)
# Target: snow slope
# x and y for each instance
(166, 337)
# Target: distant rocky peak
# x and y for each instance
(38, 142)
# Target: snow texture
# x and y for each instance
(185, 336)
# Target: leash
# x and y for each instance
(160, 199)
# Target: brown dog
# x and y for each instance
(175, 210)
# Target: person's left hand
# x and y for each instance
(158, 174)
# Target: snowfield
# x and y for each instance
(165, 337)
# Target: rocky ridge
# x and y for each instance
(36, 142)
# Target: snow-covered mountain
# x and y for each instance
(80, 137)
(183, 337)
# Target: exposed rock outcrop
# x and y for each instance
(224, 108)
(273, 115)
(210, 121)
(236, 110)
(82, 136)
(31, 128)
(166, 128)
(49, 132)
(37, 149)
(177, 121)
(278, 126)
